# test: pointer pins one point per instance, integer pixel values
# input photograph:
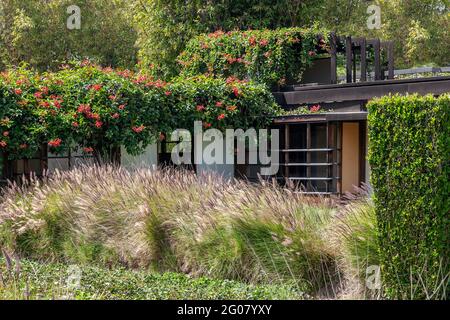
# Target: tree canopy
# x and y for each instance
(121, 32)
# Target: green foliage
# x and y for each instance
(273, 57)
(100, 110)
(165, 27)
(52, 281)
(220, 103)
(35, 31)
(409, 156)
(117, 33)
(21, 128)
(418, 27)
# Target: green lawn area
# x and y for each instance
(54, 281)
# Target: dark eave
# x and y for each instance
(322, 117)
(299, 95)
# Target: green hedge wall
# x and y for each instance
(273, 57)
(409, 156)
(100, 110)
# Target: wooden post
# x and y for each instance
(339, 140)
(44, 158)
(363, 45)
(349, 58)
(377, 51)
(286, 154)
(329, 158)
(390, 50)
(333, 53)
(308, 157)
(354, 64)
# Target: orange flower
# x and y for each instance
(138, 129)
(315, 108)
(18, 91)
(231, 108)
(200, 107)
(38, 95)
(57, 104)
(96, 87)
(3, 144)
(84, 108)
(55, 143)
(221, 116)
(88, 150)
(98, 124)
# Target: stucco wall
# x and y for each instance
(350, 155)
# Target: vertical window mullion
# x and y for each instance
(308, 157)
(327, 183)
(287, 147)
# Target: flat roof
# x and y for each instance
(322, 117)
(361, 91)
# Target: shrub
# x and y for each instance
(21, 126)
(409, 157)
(220, 103)
(272, 57)
(100, 110)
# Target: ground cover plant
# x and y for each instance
(31, 280)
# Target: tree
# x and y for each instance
(418, 27)
(35, 31)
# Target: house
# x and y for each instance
(320, 153)
(326, 152)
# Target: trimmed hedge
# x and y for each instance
(273, 57)
(100, 110)
(410, 160)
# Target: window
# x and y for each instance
(40, 162)
(311, 157)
